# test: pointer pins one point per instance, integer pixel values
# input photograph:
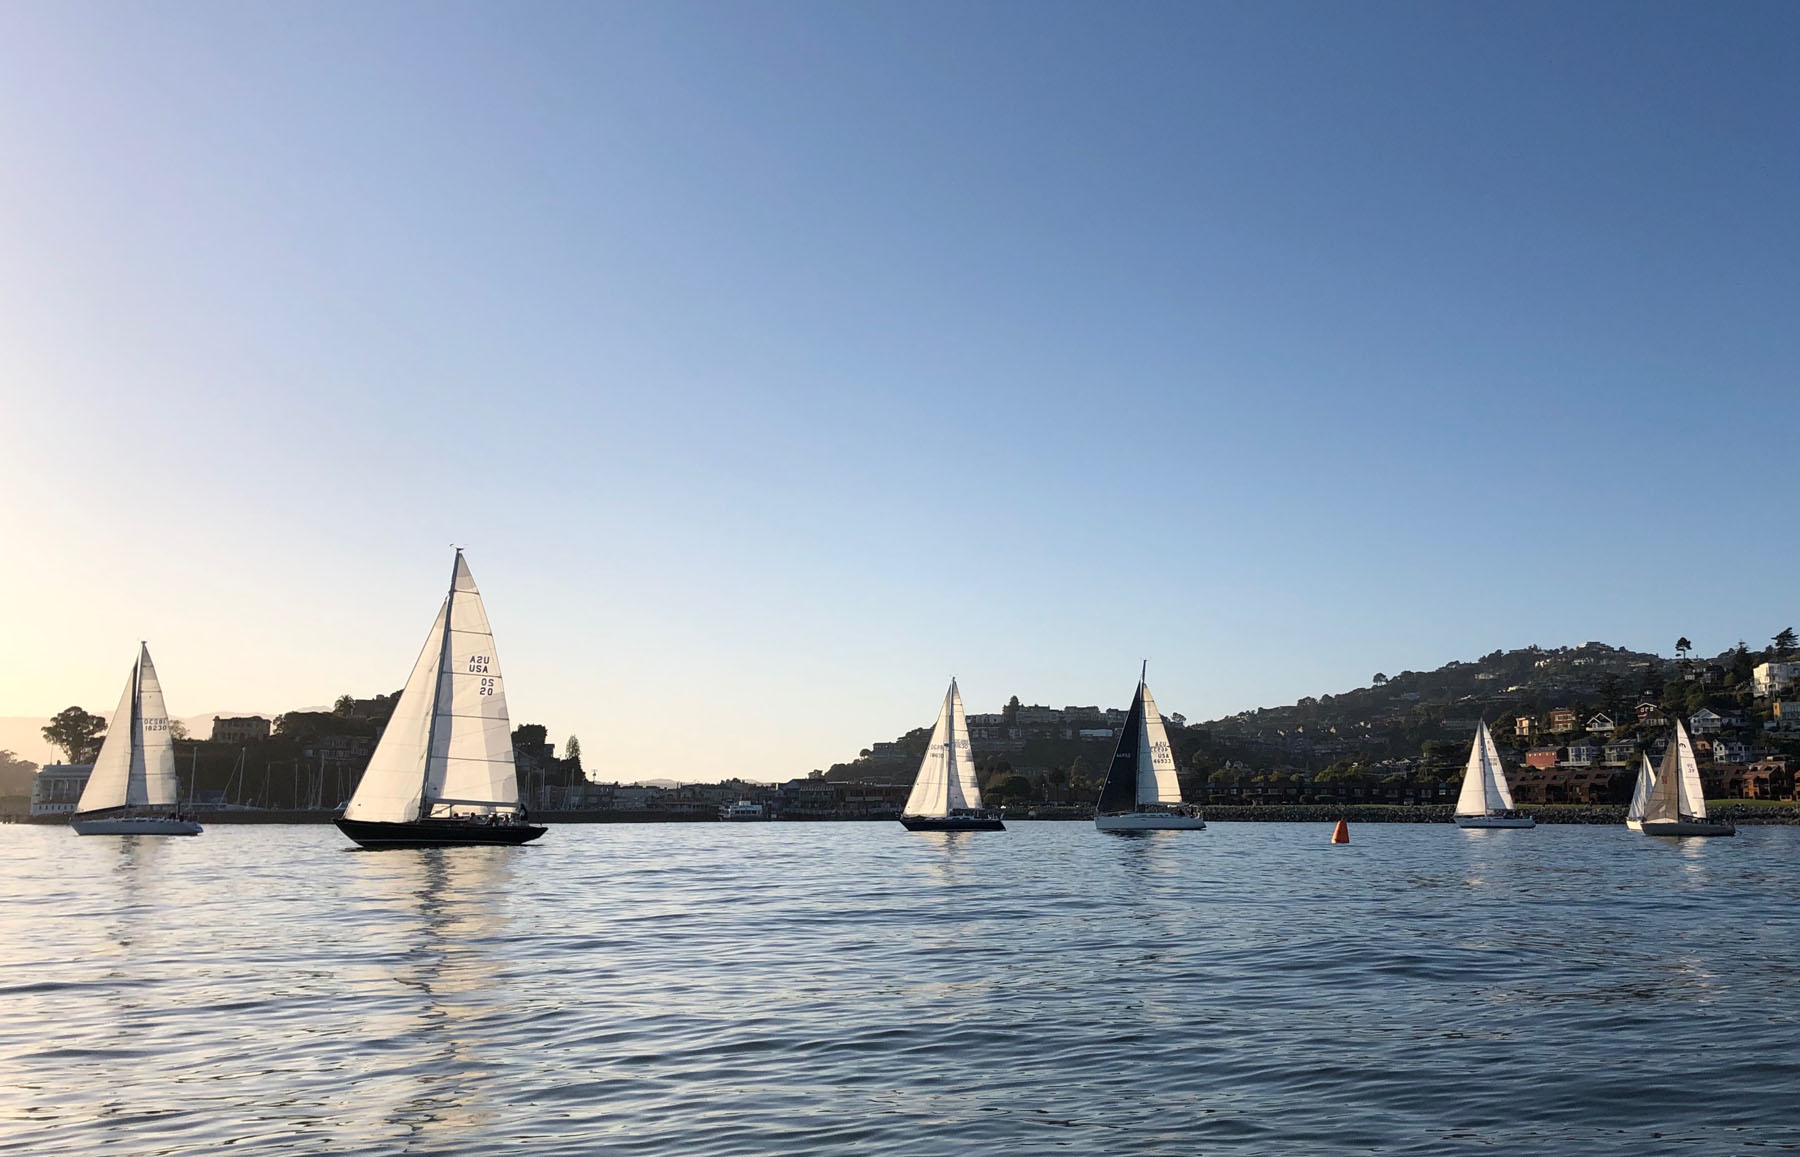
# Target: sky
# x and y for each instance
(775, 362)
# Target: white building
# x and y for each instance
(1768, 679)
(1705, 721)
(57, 788)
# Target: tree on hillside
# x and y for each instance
(345, 705)
(177, 729)
(76, 733)
(1011, 711)
(1378, 680)
(1785, 642)
(15, 774)
(572, 751)
(530, 735)
(1682, 646)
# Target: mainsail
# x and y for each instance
(946, 781)
(1484, 787)
(1143, 766)
(447, 750)
(1676, 793)
(136, 764)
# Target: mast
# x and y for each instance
(437, 689)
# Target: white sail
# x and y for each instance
(946, 777)
(1156, 778)
(447, 750)
(962, 753)
(1663, 802)
(136, 764)
(1484, 786)
(1691, 799)
(153, 755)
(1640, 792)
(394, 783)
(472, 770)
(110, 781)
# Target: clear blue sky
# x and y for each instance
(775, 362)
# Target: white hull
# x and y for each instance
(1495, 822)
(1680, 828)
(136, 826)
(1149, 822)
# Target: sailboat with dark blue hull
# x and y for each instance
(443, 772)
(946, 796)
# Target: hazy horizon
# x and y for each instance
(775, 364)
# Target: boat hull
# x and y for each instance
(136, 826)
(437, 834)
(1495, 822)
(1149, 822)
(952, 823)
(1680, 828)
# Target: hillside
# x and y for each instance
(1414, 725)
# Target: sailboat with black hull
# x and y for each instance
(1669, 801)
(442, 774)
(1142, 793)
(946, 797)
(132, 790)
(1485, 800)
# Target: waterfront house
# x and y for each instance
(1705, 721)
(1562, 719)
(57, 788)
(1542, 757)
(1580, 755)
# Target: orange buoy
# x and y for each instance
(1341, 833)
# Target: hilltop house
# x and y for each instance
(1705, 721)
(1651, 715)
(244, 729)
(1580, 755)
(1768, 679)
(1562, 719)
(1601, 724)
(1787, 715)
(1525, 726)
(1619, 754)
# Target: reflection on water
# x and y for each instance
(822, 988)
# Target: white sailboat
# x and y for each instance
(946, 795)
(1142, 793)
(1669, 801)
(1486, 799)
(443, 771)
(132, 790)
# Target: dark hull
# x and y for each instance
(436, 834)
(951, 824)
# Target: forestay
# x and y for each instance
(946, 780)
(1484, 786)
(447, 750)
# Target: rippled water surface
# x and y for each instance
(826, 988)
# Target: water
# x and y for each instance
(831, 988)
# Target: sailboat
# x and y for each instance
(132, 789)
(442, 774)
(1142, 792)
(946, 796)
(1486, 800)
(1668, 801)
